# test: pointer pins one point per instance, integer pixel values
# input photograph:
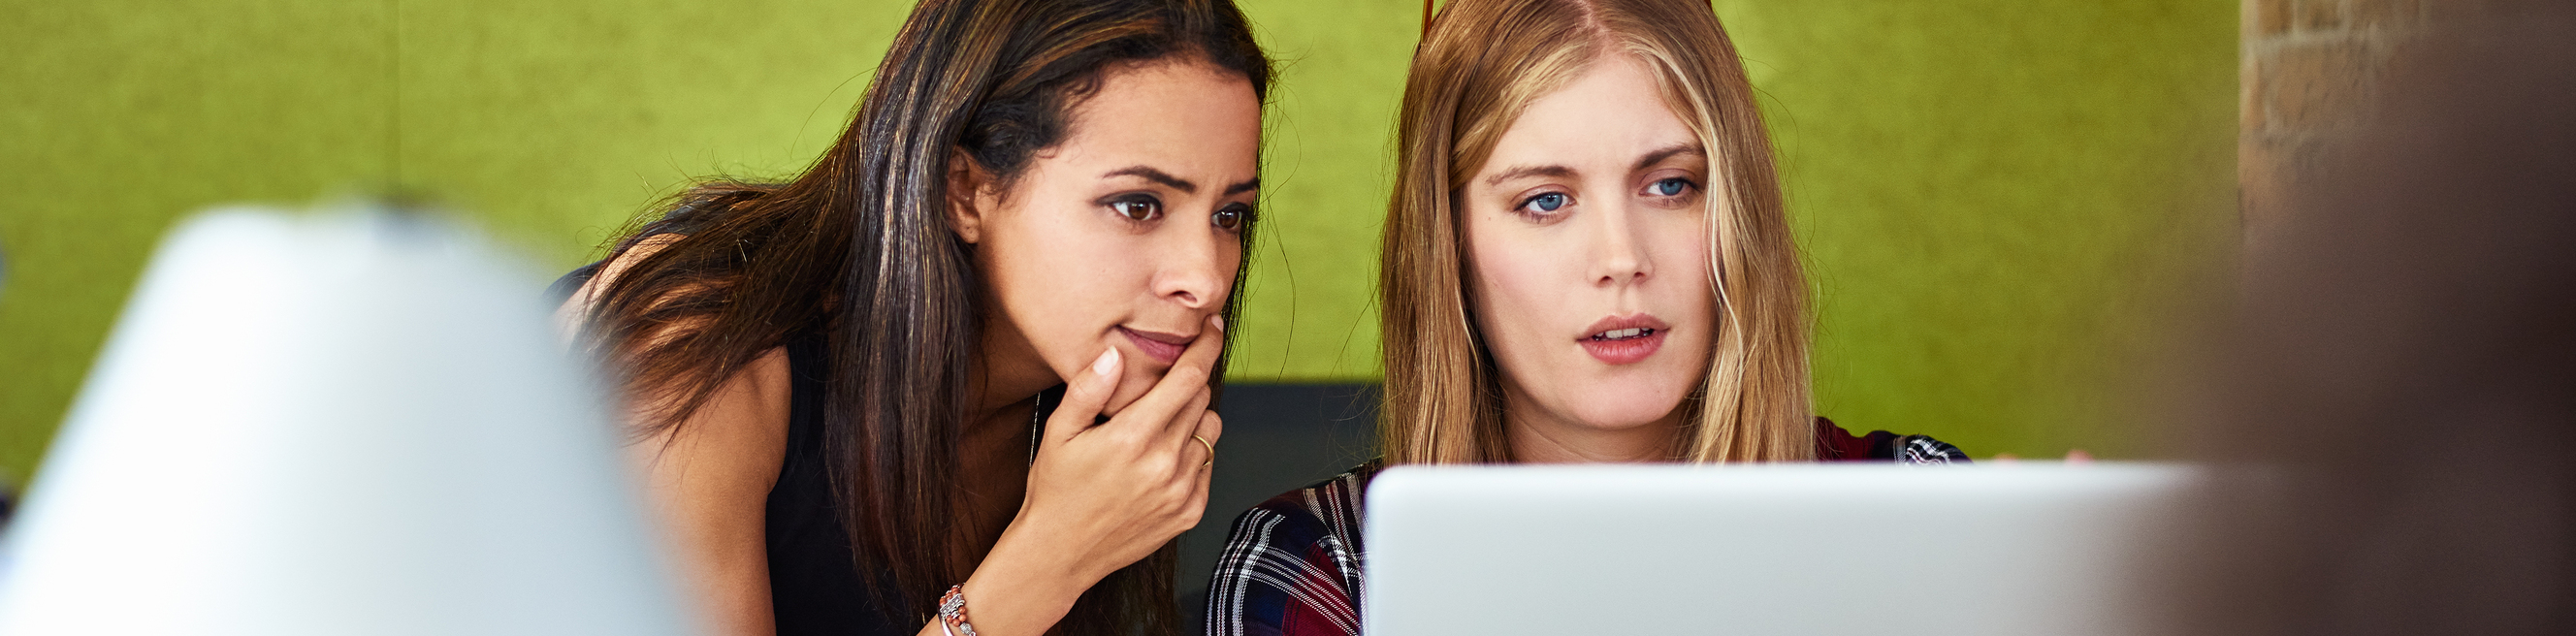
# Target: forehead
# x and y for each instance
(1606, 117)
(1176, 116)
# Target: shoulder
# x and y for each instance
(580, 289)
(1922, 449)
(1292, 565)
(745, 419)
(1835, 444)
(1325, 515)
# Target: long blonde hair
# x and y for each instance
(1480, 63)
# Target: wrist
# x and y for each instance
(1019, 590)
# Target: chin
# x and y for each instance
(1626, 414)
(1140, 380)
(1621, 421)
(1620, 401)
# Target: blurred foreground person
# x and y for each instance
(2406, 366)
(350, 419)
(7, 494)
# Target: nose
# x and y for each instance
(1618, 254)
(1194, 269)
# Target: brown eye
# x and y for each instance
(1137, 209)
(1230, 218)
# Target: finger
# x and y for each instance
(1190, 455)
(1197, 504)
(1201, 356)
(1211, 428)
(2078, 456)
(1199, 487)
(1204, 350)
(1084, 396)
(1188, 417)
(1188, 376)
(1201, 457)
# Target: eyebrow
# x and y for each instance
(1667, 152)
(1529, 171)
(1657, 156)
(1156, 176)
(1150, 174)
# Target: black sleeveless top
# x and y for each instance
(815, 581)
(814, 584)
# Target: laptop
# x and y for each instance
(1992, 549)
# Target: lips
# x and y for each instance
(1162, 347)
(1624, 339)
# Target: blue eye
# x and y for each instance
(1669, 187)
(1549, 202)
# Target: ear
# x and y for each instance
(966, 183)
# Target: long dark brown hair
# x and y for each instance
(858, 250)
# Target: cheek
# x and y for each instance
(1515, 284)
(1683, 251)
(1229, 265)
(1056, 282)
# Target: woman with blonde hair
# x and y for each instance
(1586, 260)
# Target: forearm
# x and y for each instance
(1020, 589)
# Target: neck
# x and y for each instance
(1539, 437)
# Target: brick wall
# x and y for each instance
(2309, 70)
(2309, 75)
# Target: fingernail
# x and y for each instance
(1219, 321)
(1108, 362)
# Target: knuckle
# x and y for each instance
(1126, 444)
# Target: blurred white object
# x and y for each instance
(347, 423)
(2031, 548)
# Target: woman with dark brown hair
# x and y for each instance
(840, 384)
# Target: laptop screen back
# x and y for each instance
(2036, 548)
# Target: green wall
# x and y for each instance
(2002, 201)
(2006, 205)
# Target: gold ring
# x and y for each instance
(1211, 460)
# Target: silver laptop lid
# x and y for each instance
(2034, 548)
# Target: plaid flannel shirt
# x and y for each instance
(1291, 566)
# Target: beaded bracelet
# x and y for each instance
(952, 612)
